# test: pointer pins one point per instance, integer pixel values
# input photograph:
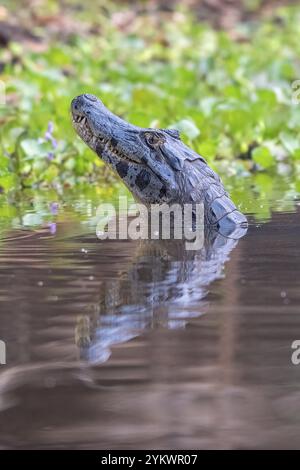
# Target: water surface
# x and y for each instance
(127, 344)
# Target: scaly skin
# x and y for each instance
(155, 164)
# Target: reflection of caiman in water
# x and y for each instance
(164, 287)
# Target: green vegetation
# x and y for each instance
(229, 94)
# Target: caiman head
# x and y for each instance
(155, 164)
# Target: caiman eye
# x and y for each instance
(153, 139)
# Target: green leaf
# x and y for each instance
(187, 127)
(296, 154)
(70, 164)
(289, 141)
(7, 181)
(263, 157)
(30, 147)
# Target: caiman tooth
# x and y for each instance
(79, 119)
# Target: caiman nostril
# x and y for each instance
(90, 97)
(75, 104)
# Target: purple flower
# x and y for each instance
(54, 208)
(50, 156)
(52, 227)
(49, 136)
(50, 127)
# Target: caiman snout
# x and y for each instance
(89, 97)
(81, 102)
(76, 102)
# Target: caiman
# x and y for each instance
(154, 164)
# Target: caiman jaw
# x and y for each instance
(82, 127)
(99, 143)
(113, 151)
(79, 119)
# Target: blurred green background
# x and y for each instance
(220, 72)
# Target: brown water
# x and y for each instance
(128, 345)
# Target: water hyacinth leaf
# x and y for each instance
(263, 157)
(290, 141)
(238, 93)
(39, 165)
(4, 162)
(32, 148)
(51, 173)
(188, 128)
(296, 154)
(70, 164)
(8, 181)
